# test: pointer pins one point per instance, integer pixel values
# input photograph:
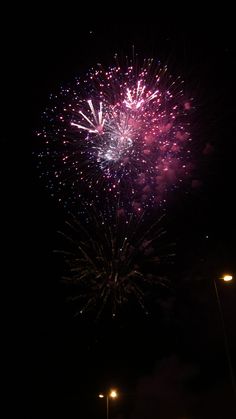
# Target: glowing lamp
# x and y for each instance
(227, 278)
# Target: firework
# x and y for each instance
(121, 132)
(111, 264)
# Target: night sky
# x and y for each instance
(172, 363)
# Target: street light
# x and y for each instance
(112, 394)
(226, 278)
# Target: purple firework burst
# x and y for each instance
(122, 133)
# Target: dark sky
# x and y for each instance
(172, 363)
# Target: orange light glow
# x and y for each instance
(113, 394)
(227, 278)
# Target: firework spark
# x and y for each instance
(122, 132)
(111, 264)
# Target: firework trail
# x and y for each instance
(121, 133)
(111, 264)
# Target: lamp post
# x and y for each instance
(112, 394)
(226, 278)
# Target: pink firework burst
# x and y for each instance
(123, 132)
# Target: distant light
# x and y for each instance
(101, 396)
(227, 278)
(113, 394)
